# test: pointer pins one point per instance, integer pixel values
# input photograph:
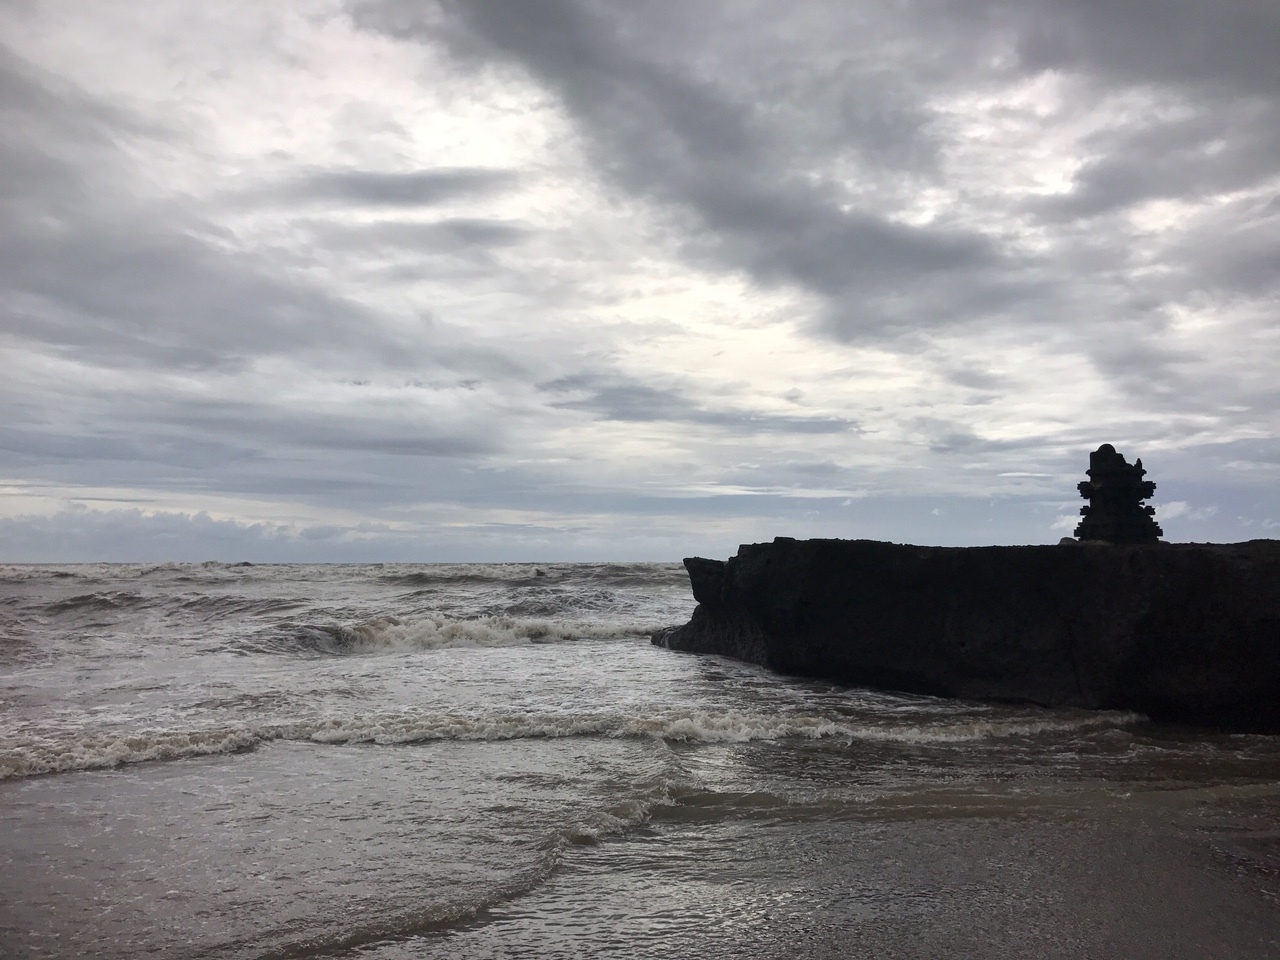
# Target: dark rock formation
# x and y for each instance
(1115, 491)
(1181, 632)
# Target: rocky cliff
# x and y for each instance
(1181, 632)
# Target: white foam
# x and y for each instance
(702, 726)
(99, 752)
(730, 726)
(995, 729)
(71, 752)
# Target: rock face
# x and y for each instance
(1181, 632)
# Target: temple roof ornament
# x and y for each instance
(1115, 491)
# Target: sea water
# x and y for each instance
(393, 761)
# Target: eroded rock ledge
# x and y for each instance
(1181, 632)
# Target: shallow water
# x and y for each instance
(484, 761)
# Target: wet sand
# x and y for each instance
(964, 870)
(1203, 883)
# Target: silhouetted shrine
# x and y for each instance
(1115, 491)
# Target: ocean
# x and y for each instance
(466, 761)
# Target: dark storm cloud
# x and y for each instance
(1142, 374)
(200, 435)
(660, 132)
(941, 435)
(88, 267)
(1218, 131)
(975, 376)
(99, 268)
(42, 111)
(189, 428)
(349, 429)
(179, 330)
(615, 397)
(349, 456)
(49, 131)
(420, 188)
(1224, 44)
(969, 443)
(728, 153)
(93, 268)
(1233, 250)
(1216, 145)
(453, 234)
(129, 289)
(86, 453)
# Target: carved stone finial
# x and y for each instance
(1115, 491)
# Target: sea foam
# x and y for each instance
(71, 752)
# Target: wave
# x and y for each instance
(701, 726)
(21, 572)
(201, 606)
(559, 602)
(427, 575)
(372, 928)
(103, 751)
(392, 634)
(639, 574)
(88, 752)
(206, 605)
(111, 600)
(464, 902)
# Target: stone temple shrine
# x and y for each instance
(1115, 491)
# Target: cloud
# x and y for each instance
(614, 397)
(81, 534)
(569, 273)
(97, 270)
(399, 190)
(658, 131)
(1181, 509)
(1229, 45)
(684, 115)
(1066, 524)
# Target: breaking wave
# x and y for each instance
(433, 575)
(97, 751)
(392, 634)
(116, 600)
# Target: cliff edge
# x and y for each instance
(1181, 632)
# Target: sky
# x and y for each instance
(482, 280)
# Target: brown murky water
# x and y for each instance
(483, 762)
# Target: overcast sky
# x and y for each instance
(563, 279)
